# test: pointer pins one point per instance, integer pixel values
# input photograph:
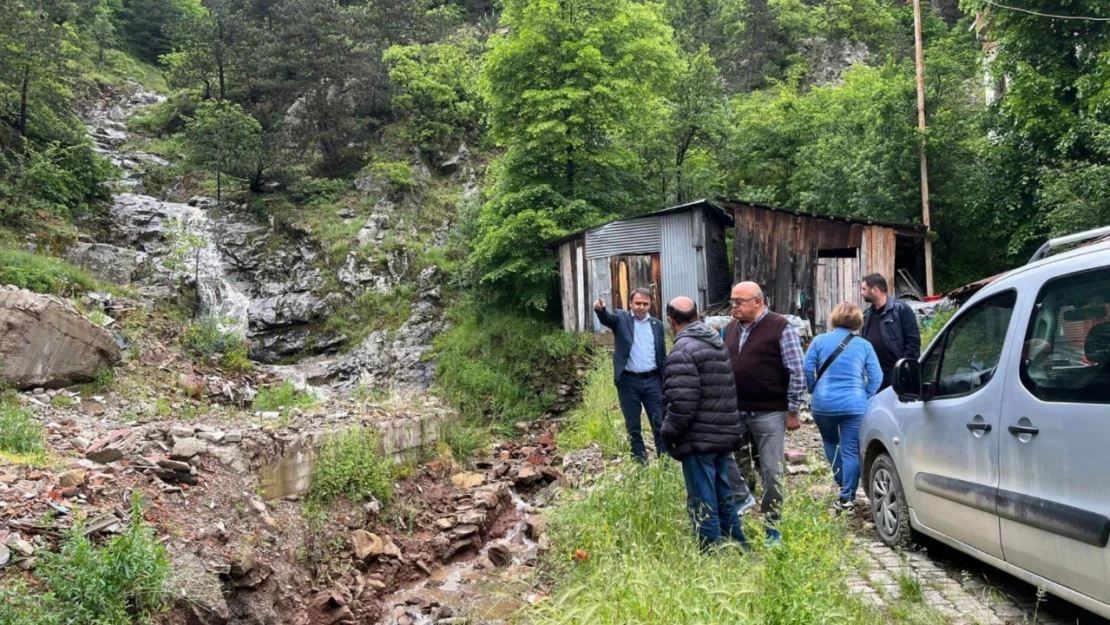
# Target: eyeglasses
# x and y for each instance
(740, 302)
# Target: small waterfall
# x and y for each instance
(147, 220)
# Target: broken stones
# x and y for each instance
(535, 526)
(392, 550)
(185, 448)
(181, 431)
(526, 477)
(104, 455)
(21, 547)
(446, 523)
(175, 465)
(795, 456)
(5, 556)
(468, 480)
(366, 545)
(500, 555)
(211, 437)
(72, 478)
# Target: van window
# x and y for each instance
(968, 355)
(1066, 353)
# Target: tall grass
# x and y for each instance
(598, 419)
(43, 274)
(20, 434)
(638, 562)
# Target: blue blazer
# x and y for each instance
(623, 325)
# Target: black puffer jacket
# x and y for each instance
(699, 393)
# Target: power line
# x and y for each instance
(1048, 15)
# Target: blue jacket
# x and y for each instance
(623, 325)
(852, 379)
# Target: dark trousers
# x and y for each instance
(747, 463)
(709, 499)
(636, 396)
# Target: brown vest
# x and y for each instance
(761, 380)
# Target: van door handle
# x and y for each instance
(985, 427)
(1024, 429)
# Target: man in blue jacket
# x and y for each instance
(638, 359)
(890, 325)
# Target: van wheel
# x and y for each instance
(888, 503)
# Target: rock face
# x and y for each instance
(45, 342)
(398, 358)
(829, 59)
(106, 262)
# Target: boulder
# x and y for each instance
(45, 342)
(366, 545)
(71, 478)
(106, 262)
(196, 594)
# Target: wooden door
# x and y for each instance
(837, 281)
(633, 272)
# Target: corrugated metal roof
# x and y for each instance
(637, 236)
(714, 212)
(889, 224)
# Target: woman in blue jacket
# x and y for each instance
(840, 395)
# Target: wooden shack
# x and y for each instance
(808, 263)
(676, 251)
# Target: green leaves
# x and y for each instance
(224, 138)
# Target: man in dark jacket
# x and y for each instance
(638, 359)
(702, 424)
(890, 325)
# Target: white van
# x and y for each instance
(997, 441)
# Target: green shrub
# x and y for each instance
(931, 327)
(61, 401)
(207, 338)
(20, 433)
(500, 367)
(397, 173)
(350, 465)
(59, 180)
(43, 274)
(118, 584)
(282, 398)
(317, 191)
(24, 606)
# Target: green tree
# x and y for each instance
(224, 139)
(567, 87)
(435, 87)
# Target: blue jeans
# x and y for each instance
(709, 499)
(841, 436)
(634, 392)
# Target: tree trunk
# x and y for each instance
(22, 125)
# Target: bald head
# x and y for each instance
(682, 311)
(747, 302)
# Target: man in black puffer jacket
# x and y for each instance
(701, 424)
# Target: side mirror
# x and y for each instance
(907, 380)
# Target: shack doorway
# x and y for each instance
(837, 280)
(630, 272)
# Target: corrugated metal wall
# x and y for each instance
(679, 259)
(638, 236)
(601, 285)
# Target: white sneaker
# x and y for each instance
(745, 505)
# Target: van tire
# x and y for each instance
(889, 510)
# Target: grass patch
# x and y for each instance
(638, 562)
(43, 274)
(282, 398)
(462, 440)
(371, 312)
(102, 380)
(499, 367)
(350, 465)
(911, 588)
(21, 435)
(61, 401)
(599, 419)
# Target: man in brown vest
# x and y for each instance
(766, 356)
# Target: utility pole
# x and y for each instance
(919, 54)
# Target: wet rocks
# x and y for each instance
(500, 555)
(106, 262)
(45, 342)
(526, 477)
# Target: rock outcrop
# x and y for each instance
(106, 262)
(45, 342)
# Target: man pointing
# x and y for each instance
(638, 359)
